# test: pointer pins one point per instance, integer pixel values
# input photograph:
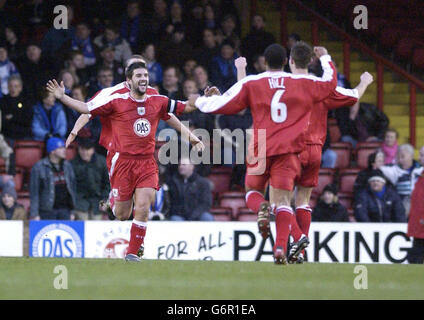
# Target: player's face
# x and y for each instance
(140, 81)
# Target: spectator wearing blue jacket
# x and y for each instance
(154, 67)
(379, 202)
(222, 70)
(7, 68)
(49, 118)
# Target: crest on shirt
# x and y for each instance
(141, 111)
(142, 127)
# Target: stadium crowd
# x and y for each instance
(187, 46)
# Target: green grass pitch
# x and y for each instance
(33, 278)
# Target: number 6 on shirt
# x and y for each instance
(278, 109)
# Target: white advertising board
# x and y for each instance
(226, 241)
(11, 238)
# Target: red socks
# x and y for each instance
(296, 232)
(283, 218)
(254, 200)
(303, 218)
(138, 232)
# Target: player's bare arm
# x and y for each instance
(366, 80)
(241, 65)
(59, 92)
(175, 123)
(79, 124)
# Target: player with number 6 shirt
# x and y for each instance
(281, 105)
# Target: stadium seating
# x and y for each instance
(18, 178)
(27, 155)
(347, 179)
(221, 214)
(326, 176)
(363, 150)
(343, 150)
(24, 199)
(221, 182)
(233, 200)
(222, 170)
(346, 199)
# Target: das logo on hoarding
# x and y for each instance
(57, 240)
(112, 242)
(142, 127)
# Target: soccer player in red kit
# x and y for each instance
(106, 132)
(281, 105)
(310, 157)
(134, 119)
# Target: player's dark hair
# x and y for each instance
(301, 54)
(275, 56)
(130, 70)
(134, 56)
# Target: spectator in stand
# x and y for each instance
(7, 68)
(14, 47)
(209, 17)
(170, 86)
(228, 32)
(390, 146)
(379, 202)
(360, 123)
(197, 23)
(82, 42)
(375, 162)
(108, 61)
(68, 80)
(175, 49)
(49, 118)
(328, 208)
(222, 70)
(416, 220)
(52, 184)
(341, 79)
(35, 63)
(16, 112)
(188, 68)
(403, 174)
(76, 65)
(329, 157)
(92, 181)
(131, 26)
(175, 18)
(92, 129)
(259, 65)
(191, 197)
(111, 38)
(257, 40)
(9, 208)
(36, 13)
(158, 21)
(209, 49)
(55, 40)
(293, 38)
(160, 209)
(104, 80)
(154, 67)
(6, 153)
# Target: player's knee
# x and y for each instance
(122, 214)
(142, 209)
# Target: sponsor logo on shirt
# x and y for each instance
(142, 127)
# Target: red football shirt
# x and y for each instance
(317, 130)
(134, 122)
(280, 103)
(105, 139)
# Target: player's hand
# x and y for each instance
(57, 90)
(367, 78)
(190, 105)
(320, 51)
(240, 63)
(70, 139)
(212, 91)
(197, 144)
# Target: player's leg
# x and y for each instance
(284, 170)
(255, 198)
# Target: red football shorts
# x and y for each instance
(281, 171)
(310, 159)
(109, 157)
(129, 173)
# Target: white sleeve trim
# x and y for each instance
(348, 92)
